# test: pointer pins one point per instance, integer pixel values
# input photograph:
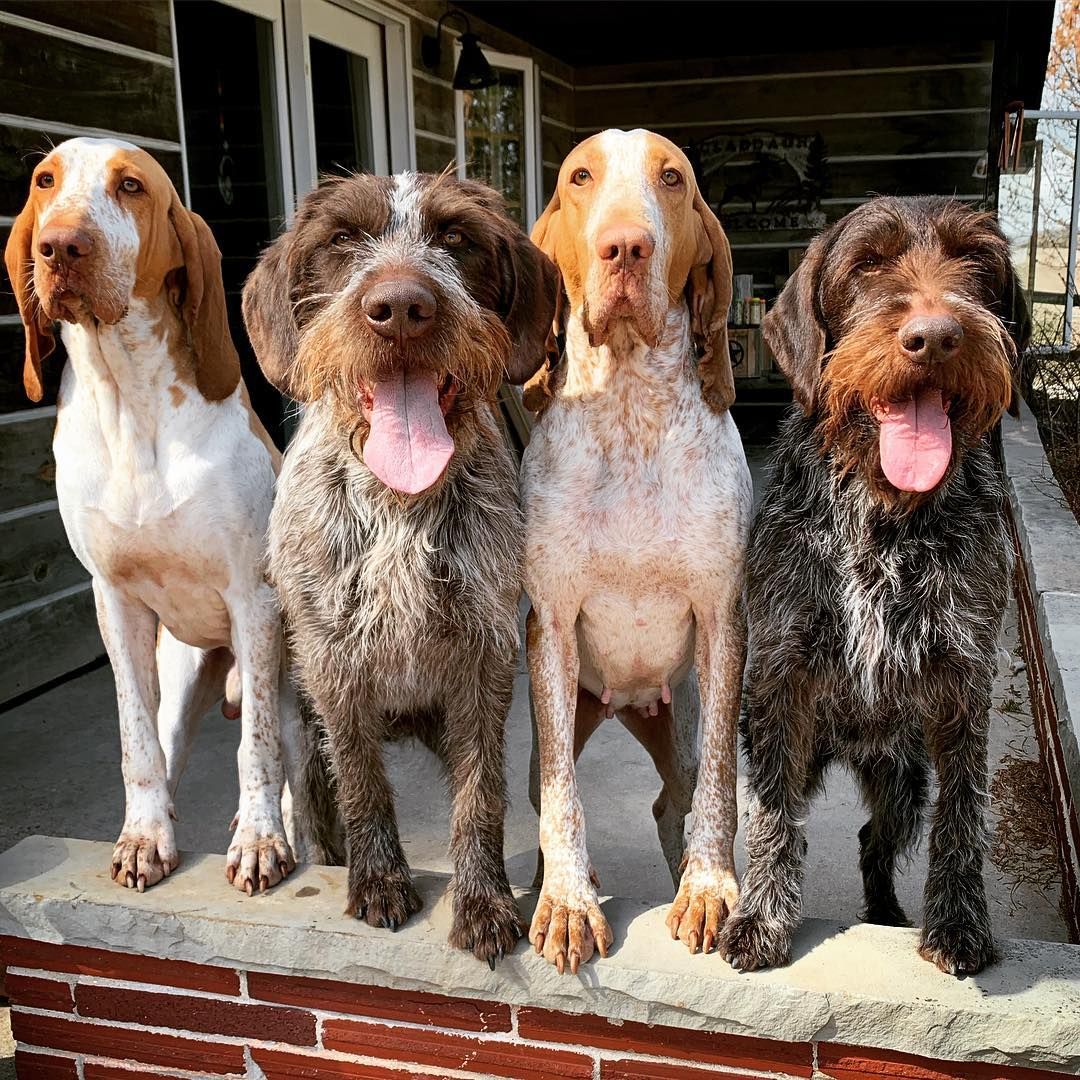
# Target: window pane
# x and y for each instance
(227, 78)
(341, 103)
(495, 137)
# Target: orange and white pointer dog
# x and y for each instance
(638, 501)
(165, 479)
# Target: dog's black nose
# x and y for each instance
(931, 338)
(400, 309)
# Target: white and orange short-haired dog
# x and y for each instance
(165, 479)
(637, 501)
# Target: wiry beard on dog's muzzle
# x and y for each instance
(399, 393)
(919, 409)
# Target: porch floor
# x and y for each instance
(60, 776)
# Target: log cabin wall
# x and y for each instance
(893, 120)
(66, 68)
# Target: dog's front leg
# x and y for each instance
(957, 935)
(259, 855)
(709, 888)
(146, 850)
(568, 923)
(486, 919)
(780, 710)
(381, 890)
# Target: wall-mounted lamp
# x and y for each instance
(473, 71)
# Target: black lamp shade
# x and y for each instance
(473, 71)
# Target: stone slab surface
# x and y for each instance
(1049, 534)
(1059, 627)
(1050, 541)
(859, 985)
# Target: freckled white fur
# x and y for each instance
(165, 497)
(638, 502)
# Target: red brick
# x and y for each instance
(642, 1069)
(76, 960)
(44, 1067)
(454, 1051)
(711, 1047)
(861, 1063)
(412, 1006)
(209, 1015)
(114, 1072)
(279, 1066)
(30, 992)
(60, 1033)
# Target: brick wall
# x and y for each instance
(100, 1015)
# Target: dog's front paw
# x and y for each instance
(705, 898)
(384, 900)
(144, 854)
(567, 928)
(259, 857)
(958, 948)
(749, 943)
(885, 912)
(486, 924)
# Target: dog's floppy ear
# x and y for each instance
(546, 234)
(40, 340)
(708, 292)
(201, 293)
(268, 316)
(533, 283)
(794, 328)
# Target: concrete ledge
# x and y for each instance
(860, 986)
(1048, 586)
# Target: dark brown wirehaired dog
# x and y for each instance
(879, 567)
(393, 308)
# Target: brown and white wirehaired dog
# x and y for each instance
(393, 308)
(878, 567)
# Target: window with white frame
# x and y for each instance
(497, 134)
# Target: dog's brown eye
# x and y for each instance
(45, 180)
(580, 177)
(340, 238)
(454, 238)
(131, 185)
(871, 262)
(670, 178)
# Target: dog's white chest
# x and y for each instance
(630, 537)
(149, 485)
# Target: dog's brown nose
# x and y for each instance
(400, 309)
(63, 244)
(931, 338)
(628, 246)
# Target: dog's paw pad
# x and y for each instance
(487, 925)
(140, 861)
(885, 914)
(566, 931)
(257, 862)
(958, 949)
(384, 901)
(703, 902)
(747, 945)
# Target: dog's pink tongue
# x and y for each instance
(915, 440)
(408, 447)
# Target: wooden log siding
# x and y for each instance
(894, 120)
(66, 68)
